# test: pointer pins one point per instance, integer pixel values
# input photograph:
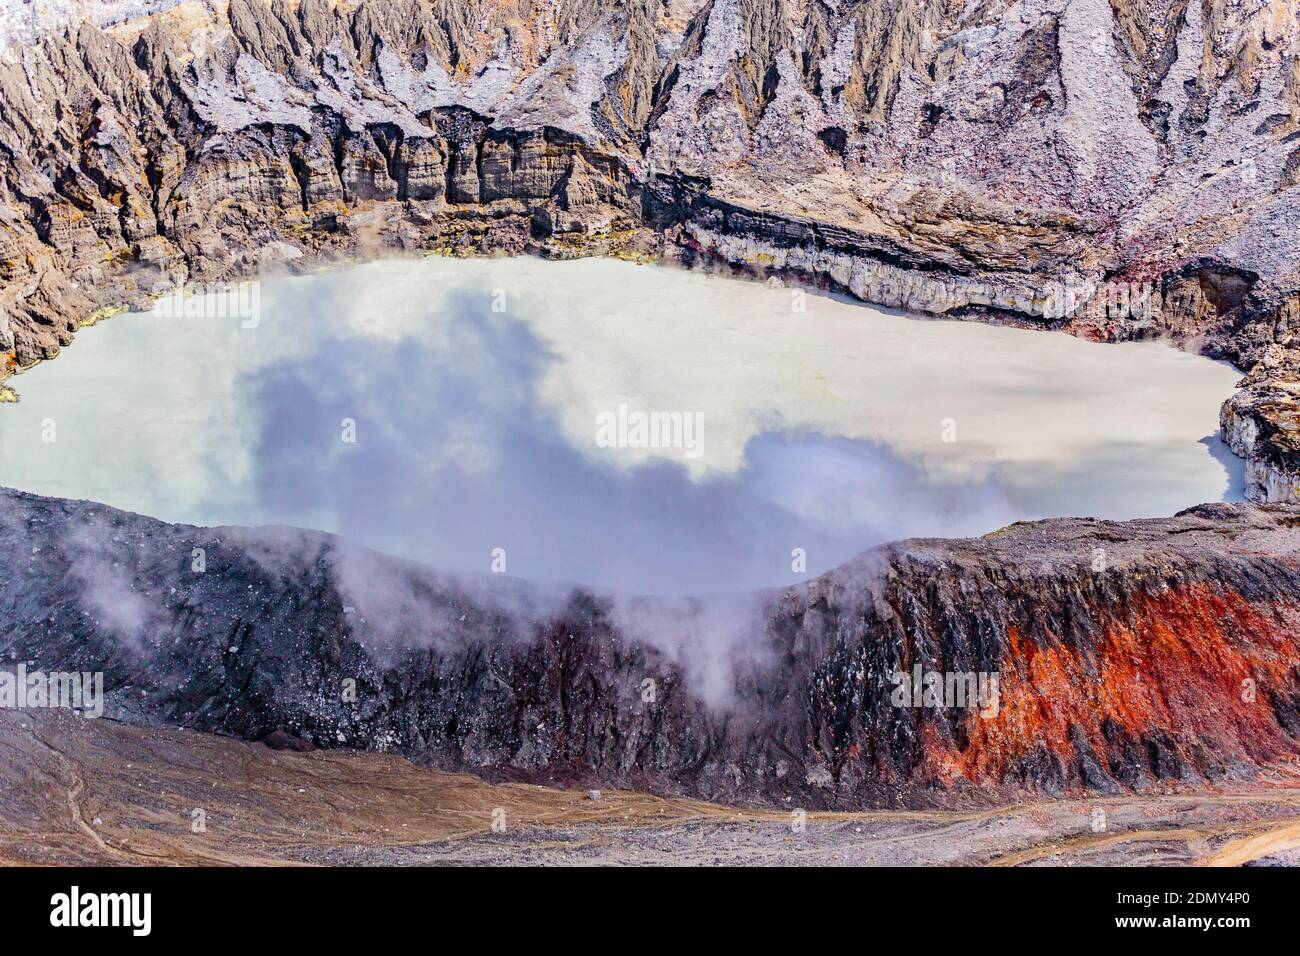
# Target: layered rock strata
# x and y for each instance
(1120, 170)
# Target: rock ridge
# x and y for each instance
(1145, 655)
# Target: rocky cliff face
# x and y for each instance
(1100, 656)
(1122, 169)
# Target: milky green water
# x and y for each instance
(476, 392)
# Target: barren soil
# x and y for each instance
(98, 792)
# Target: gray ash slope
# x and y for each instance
(1126, 677)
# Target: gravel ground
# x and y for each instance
(95, 791)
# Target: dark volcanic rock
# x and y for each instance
(1126, 654)
(283, 740)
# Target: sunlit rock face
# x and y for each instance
(637, 427)
(971, 159)
(1094, 656)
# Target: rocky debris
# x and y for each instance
(1042, 162)
(1114, 656)
(283, 740)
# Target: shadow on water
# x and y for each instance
(1234, 467)
(476, 430)
(455, 456)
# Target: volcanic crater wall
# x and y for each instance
(957, 160)
(967, 160)
(1127, 655)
